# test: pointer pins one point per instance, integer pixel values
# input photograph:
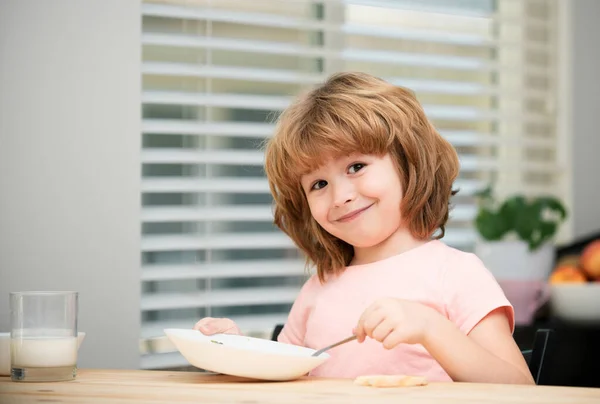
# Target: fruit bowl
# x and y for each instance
(576, 302)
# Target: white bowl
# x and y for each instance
(5, 351)
(576, 302)
(241, 356)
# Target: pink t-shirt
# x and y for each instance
(451, 281)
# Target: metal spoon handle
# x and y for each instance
(320, 351)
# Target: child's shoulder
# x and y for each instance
(451, 262)
(455, 257)
(312, 285)
(453, 253)
(440, 254)
(463, 266)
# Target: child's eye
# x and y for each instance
(318, 185)
(354, 168)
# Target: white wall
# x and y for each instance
(69, 164)
(585, 116)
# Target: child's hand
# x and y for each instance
(210, 326)
(394, 321)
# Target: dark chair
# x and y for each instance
(535, 357)
(276, 332)
(539, 353)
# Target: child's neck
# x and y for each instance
(401, 241)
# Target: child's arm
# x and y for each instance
(478, 326)
(470, 336)
(488, 354)
(295, 328)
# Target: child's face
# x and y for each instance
(356, 198)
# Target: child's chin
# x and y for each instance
(363, 243)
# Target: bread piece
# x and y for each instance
(390, 381)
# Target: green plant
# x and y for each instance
(533, 220)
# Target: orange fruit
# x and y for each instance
(567, 274)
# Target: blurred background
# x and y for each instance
(130, 133)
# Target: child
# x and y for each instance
(361, 182)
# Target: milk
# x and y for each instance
(41, 352)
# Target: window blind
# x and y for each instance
(216, 73)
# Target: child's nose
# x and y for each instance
(343, 193)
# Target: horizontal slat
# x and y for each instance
(238, 45)
(203, 156)
(417, 59)
(469, 163)
(179, 127)
(221, 298)
(240, 185)
(239, 213)
(248, 241)
(441, 7)
(444, 87)
(473, 163)
(248, 324)
(222, 184)
(228, 72)
(459, 113)
(474, 114)
(463, 213)
(211, 14)
(243, 269)
(469, 138)
(469, 187)
(430, 36)
(263, 102)
(474, 139)
(459, 237)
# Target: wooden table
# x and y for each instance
(145, 386)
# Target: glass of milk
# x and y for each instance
(43, 337)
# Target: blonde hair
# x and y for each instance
(357, 113)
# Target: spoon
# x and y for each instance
(320, 351)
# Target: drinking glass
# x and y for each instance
(43, 336)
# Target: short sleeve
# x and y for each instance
(294, 330)
(471, 292)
